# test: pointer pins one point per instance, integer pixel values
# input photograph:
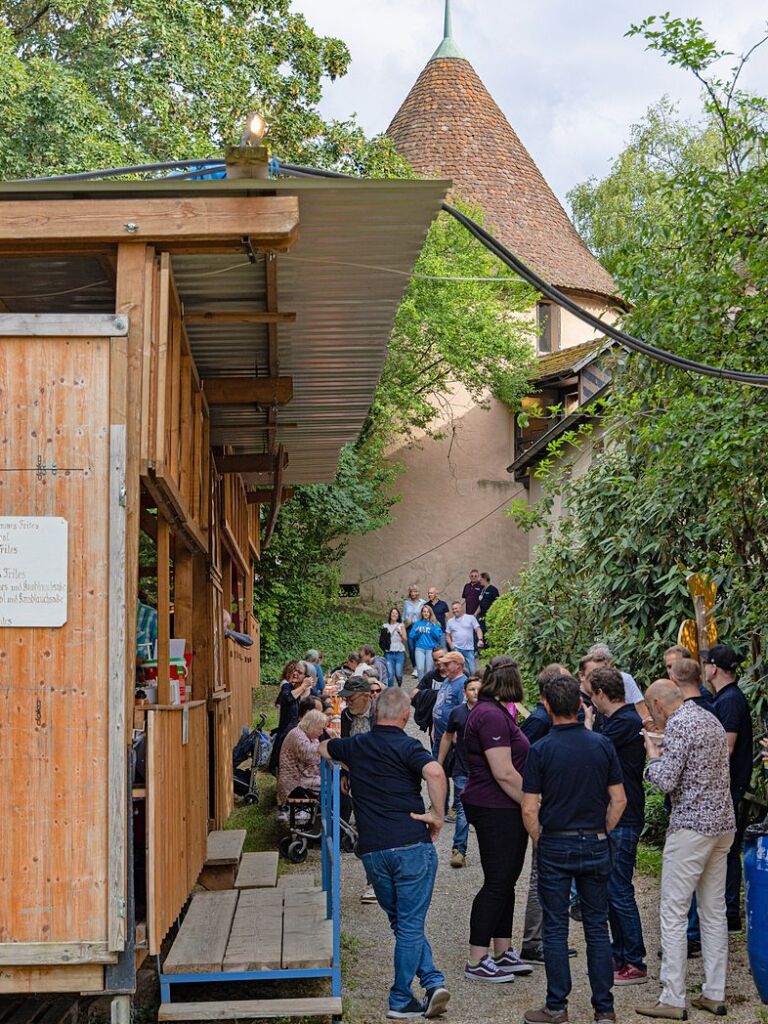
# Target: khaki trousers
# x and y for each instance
(693, 863)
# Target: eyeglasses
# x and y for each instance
(375, 689)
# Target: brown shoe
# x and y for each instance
(605, 1018)
(663, 1010)
(710, 1005)
(546, 1016)
(458, 859)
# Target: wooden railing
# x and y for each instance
(177, 811)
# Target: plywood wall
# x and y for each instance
(54, 405)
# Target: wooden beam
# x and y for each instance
(242, 390)
(277, 499)
(158, 220)
(234, 316)
(263, 495)
(163, 611)
(63, 325)
(248, 463)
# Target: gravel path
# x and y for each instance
(369, 947)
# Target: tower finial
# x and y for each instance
(448, 47)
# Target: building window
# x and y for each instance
(548, 324)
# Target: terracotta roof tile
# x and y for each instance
(449, 126)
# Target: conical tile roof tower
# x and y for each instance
(450, 126)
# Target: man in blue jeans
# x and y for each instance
(620, 723)
(568, 815)
(396, 836)
(453, 741)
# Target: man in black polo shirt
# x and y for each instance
(395, 842)
(622, 726)
(568, 814)
(732, 709)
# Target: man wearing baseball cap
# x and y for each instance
(731, 707)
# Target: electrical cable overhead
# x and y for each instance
(561, 299)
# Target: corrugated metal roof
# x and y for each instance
(336, 348)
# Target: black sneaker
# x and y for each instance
(694, 949)
(734, 924)
(486, 970)
(437, 1002)
(536, 956)
(575, 910)
(413, 1010)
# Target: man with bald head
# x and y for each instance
(691, 764)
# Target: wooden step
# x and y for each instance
(307, 934)
(257, 871)
(256, 940)
(298, 881)
(225, 847)
(201, 944)
(244, 1009)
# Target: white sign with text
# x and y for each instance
(33, 570)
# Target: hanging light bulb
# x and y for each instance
(255, 129)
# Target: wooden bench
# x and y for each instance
(222, 859)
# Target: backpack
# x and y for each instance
(385, 639)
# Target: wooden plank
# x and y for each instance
(277, 498)
(162, 345)
(63, 325)
(263, 495)
(257, 870)
(307, 934)
(246, 463)
(225, 846)
(242, 390)
(37, 954)
(118, 767)
(245, 1009)
(163, 611)
(202, 940)
(233, 316)
(33, 980)
(156, 220)
(299, 881)
(256, 939)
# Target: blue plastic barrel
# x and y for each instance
(756, 903)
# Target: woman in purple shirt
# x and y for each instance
(495, 751)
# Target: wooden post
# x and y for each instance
(163, 611)
(701, 633)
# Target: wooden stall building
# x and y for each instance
(174, 355)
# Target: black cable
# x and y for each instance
(522, 270)
(115, 172)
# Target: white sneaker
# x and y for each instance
(369, 896)
(415, 674)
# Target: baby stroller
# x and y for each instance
(256, 747)
(305, 827)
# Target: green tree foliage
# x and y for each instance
(678, 479)
(467, 331)
(94, 83)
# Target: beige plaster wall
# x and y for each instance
(448, 485)
(574, 331)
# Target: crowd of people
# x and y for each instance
(568, 776)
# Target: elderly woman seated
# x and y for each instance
(300, 758)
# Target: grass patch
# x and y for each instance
(259, 820)
(649, 860)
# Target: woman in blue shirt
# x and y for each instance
(425, 635)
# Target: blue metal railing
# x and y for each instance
(330, 842)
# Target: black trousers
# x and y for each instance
(502, 840)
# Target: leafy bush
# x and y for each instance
(656, 817)
(335, 632)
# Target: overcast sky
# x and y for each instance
(561, 70)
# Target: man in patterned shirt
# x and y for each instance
(691, 764)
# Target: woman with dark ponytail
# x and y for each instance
(495, 751)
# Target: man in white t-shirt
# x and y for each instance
(599, 656)
(460, 632)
